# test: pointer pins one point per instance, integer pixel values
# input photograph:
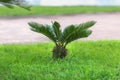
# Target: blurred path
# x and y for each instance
(16, 29)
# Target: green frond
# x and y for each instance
(25, 7)
(11, 3)
(74, 32)
(57, 30)
(7, 5)
(44, 29)
(6, 1)
(76, 35)
(86, 25)
(67, 32)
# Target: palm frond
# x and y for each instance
(76, 35)
(44, 29)
(57, 30)
(6, 1)
(67, 31)
(11, 3)
(74, 32)
(86, 25)
(7, 4)
(25, 6)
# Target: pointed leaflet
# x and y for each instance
(67, 31)
(56, 29)
(7, 5)
(78, 34)
(70, 31)
(25, 7)
(86, 25)
(10, 3)
(45, 30)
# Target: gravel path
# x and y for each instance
(15, 30)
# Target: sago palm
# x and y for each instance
(62, 38)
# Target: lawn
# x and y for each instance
(42, 10)
(87, 60)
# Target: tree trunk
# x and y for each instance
(59, 52)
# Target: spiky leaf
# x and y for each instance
(10, 3)
(67, 31)
(56, 29)
(44, 29)
(86, 25)
(74, 32)
(78, 34)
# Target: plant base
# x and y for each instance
(59, 52)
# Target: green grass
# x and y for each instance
(87, 60)
(40, 10)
